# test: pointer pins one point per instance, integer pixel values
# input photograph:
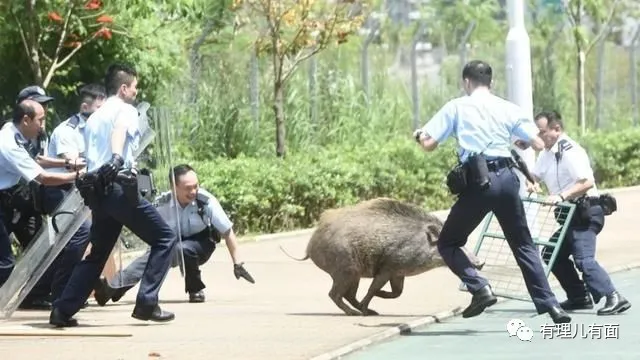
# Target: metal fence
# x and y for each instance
(424, 72)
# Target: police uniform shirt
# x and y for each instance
(191, 222)
(572, 166)
(481, 123)
(15, 161)
(98, 129)
(32, 144)
(67, 137)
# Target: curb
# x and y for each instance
(407, 328)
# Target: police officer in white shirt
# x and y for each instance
(565, 169)
(202, 223)
(112, 135)
(67, 143)
(18, 168)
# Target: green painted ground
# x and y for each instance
(486, 337)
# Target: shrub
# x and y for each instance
(266, 195)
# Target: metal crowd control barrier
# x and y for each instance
(500, 269)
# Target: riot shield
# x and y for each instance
(164, 155)
(65, 220)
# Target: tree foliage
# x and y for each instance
(290, 32)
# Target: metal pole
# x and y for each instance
(415, 92)
(519, 82)
(634, 75)
(313, 89)
(254, 92)
(464, 43)
(600, 78)
(365, 57)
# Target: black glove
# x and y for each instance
(239, 271)
(109, 170)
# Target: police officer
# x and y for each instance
(564, 167)
(18, 168)
(37, 146)
(111, 137)
(67, 142)
(483, 125)
(39, 297)
(202, 222)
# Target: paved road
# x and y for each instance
(486, 336)
(286, 315)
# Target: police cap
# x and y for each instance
(35, 93)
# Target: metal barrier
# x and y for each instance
(549, 224)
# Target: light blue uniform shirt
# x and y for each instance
(481, 123)
(97, 133)
(191, 222)
(15, 161)
(67, 137)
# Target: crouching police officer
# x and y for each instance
(18, 170)
(110, 189)
(202, 220)
(565, 169)
(485, 181)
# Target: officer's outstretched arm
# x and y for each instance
(54, 179)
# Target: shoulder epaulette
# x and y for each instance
(564, 145)
(74, 121)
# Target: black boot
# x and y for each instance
(59, 319)
(102, 291)
(196, 297)
(583, 303)
(615, 304)
(481, 300)
(151, 312)
(558, 315)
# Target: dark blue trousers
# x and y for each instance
(580, 243)
(109, 216)
(196, 251)
(55, 278)
(503, 199)
(24, 230)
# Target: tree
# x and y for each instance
(292, 31)
(50, 39)
(601, 13)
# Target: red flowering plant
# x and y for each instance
(52, 32)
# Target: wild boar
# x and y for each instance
(383, 239)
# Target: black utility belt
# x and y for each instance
(474, 173)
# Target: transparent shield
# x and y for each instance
(164, 155)
(47, 244)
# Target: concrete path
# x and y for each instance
(487, 336)
(287, 314)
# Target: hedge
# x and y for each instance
(265, 195)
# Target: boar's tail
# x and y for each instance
(285, 252)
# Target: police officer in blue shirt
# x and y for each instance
(67, 142)
(18, 168)
(111, 136)
(565, 169)
(36, 146)
(483, 125)
(203, 223)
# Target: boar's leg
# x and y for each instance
(376, 285)
(342, 284)
(397, 285)
(351, 294)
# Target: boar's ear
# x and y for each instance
(433, 233)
